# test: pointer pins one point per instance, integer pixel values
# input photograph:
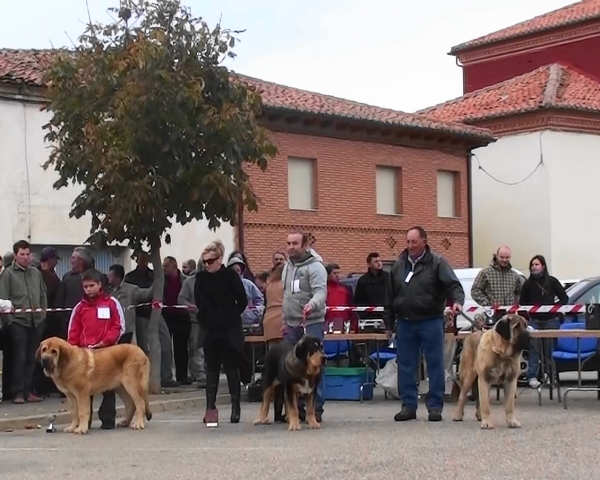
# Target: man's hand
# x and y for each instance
(457, 307)
(307, 310)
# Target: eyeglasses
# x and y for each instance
(209, 261)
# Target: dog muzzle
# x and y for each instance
(47, 365)
(523, 340)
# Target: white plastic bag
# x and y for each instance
(387, 378)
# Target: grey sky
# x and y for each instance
(390, 53)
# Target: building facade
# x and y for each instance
(533, 188)
(354, 177)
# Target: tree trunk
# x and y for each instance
(153, 337)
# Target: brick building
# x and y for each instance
(356, 177)
(352, 176)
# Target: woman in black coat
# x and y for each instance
(220, 298)
(541, 289)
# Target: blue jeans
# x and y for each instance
(414, 337)
(538, 343)
(292, 335)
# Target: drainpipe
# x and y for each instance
(470, 204)
(240, 225)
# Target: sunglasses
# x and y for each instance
(209, 261)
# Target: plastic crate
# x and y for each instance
(343, 383)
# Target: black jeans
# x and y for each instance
(107, 413)
(24, 343)
(180, 328)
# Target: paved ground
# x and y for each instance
(356, 442)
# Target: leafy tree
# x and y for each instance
(148, 120)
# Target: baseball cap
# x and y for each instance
(48, 253)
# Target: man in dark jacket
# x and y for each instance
(420, 283)
(371, 287)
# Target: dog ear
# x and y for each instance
(301, 350)
(38, 353)
(503, 328)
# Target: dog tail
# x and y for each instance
(146, 386)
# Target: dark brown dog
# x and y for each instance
(493, 357)
(296, 369)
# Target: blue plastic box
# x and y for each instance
(343, 383)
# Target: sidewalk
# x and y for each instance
(37, 415)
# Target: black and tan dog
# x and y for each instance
(493, 357)
(297, 369)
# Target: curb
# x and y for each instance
(41, 421)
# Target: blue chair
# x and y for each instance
(571, 353)
(385, 354)
(336, 349)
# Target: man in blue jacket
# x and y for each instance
(421, 281)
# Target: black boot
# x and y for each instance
(235, 390)
(278, 406)
(212, 386)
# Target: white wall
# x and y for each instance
(31, 209)
(553, 213)
(574, 162)
(515, 215)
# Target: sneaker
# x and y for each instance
(319, 416)
(31, 398)
(107, 426)
(435, 415)
(302, 415)
(19, 400)
(534, 383)
(201, 383)
(405, 414)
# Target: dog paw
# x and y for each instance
(70, 429)
(262, 421)
(313, 424)
(478, 416)
(457, 417)
(294, 426)
(487, 425)
(513, 423)
(81, 430)
(124, 423)
(136, 425)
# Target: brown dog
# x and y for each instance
(80, 373)
(298, 370)
(493, 357)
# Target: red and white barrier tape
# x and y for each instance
(508, 309)
(530, 309)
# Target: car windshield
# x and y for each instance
(575, 290)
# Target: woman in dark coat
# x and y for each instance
(220, 298)
(541, 288)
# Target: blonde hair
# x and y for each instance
(215, 247)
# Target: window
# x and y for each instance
(591, 296)
(388, 188)
(301, 183)
(448, 194)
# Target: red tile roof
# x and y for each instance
(570, 15)
(550, 87)
(24, 66)
(280, 97)
(27, 66)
